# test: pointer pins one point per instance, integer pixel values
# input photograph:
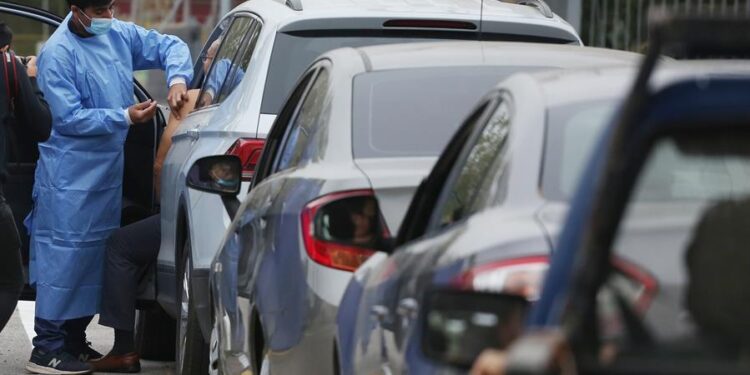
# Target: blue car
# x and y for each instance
(650, 274)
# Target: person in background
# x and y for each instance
(86, 73)
(22, 105)
(6, 37)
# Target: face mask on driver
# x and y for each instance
(99, 26)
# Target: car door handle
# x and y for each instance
(407, 308)
(194, 133)
(380, 313)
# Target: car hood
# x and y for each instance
(394, 181)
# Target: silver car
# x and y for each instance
(355, 138)
(247, 68)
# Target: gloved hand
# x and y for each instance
(177, 97)
(142, 112)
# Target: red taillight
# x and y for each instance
(333, 250)
(431, 24)
(249, 151)
(522, 276)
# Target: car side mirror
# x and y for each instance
(541, 352)
(458, 325)
(221, 174)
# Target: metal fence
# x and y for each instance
(622, 24)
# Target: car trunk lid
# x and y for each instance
(394, 181)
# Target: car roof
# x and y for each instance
(561, 87)
(472, 53)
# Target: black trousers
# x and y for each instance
(131, 250)
(11, 269)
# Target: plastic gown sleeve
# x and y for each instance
(64, 98)
(152, 50)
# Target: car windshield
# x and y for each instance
(572, 131)
(293, 52)
(414, 112)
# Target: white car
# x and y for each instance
(261, 48)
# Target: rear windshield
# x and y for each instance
(572, 132)
(293, 52)
(414, 112)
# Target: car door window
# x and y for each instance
(203, 64)
(221, 55)
(241, 62)
(299, 142)
(679, 284)
(468, 190)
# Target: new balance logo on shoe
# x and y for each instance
(59, 363)
(83, 357)
(54, 362)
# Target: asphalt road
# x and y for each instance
(15, 343)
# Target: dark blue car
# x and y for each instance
(651, 273)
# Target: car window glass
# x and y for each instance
(681, 255)
(467, 192)
(572, 132)
(394, 110)
(305, 126)
(294, 51)
(241, 62)
(200, 68)
(222, 60)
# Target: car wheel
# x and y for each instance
(154, 334)
(192, 350)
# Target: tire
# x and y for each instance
(192, 355)
(154, 334)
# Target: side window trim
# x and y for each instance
(249, 41)
(435, 216)
(274, 141)
(235, 18)
(288, 127)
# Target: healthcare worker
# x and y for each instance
(86, 73)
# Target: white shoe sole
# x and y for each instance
(36, 369)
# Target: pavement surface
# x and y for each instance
(15, 343)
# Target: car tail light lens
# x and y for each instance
(249, 151)
(342, 230)
(520, 276)
(524, 276)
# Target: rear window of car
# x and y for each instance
(572, 132)
(414, 112)
(294, 51)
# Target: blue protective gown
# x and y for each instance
(88, 83)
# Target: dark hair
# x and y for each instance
(6, 35)
(83, 4)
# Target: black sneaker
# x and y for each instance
(56, 363)
(83, 352)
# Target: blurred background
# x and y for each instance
(191, 20)
(619, 24)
